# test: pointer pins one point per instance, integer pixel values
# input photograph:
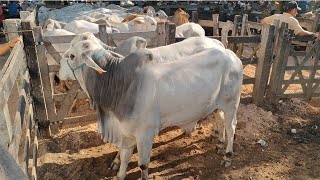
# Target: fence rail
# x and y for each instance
(21, 131)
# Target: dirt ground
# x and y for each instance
(78, 153)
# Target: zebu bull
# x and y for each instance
(167, 53)
(137, 97)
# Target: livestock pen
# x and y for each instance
(36, 45)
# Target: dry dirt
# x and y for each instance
(78, 153)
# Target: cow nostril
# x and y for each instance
(72, 56)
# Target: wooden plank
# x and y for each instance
(303, 68)
(236, 24)
(59, 39)
(56, 56)
(264, 64)
(62, 96)
(298, 69)
(54, 68)
(66, 104)
(26, 153)
(8, 61)
(161, 34)
(36, 91)
(254, 25)
(215, 24)
(242, 33)
(171, 33)
(35, 153)
(205, 23)
(10, 76)
(194, 17)
(246, 61)
(18, 126)
(297, 53)
(279, 64)
(45, 79)
(303, 38)
(313, 72)
(248, 80)
(5, 127)
(80, 119)
(9, 169)
(234, 39)
(296, 62)
(103, 36)
(300, 81)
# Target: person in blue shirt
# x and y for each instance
(13, 9)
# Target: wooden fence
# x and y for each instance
(295, 74)
(19, 132)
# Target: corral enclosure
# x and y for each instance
(78, 152)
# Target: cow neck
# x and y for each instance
(114, 88)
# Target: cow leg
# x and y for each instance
(125, 155)
(220, 131)
(116, 162)
(144, 146)
(230, 125)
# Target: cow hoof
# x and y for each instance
(225, 163)
(114, 166)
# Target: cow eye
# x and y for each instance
(72, 56)
(84, 38)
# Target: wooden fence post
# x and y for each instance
(45, 80)
(171, 33)
(103, 36)
(5, 126)
(243, 33)
(35, 81)
(11, 25)
(195, 17)
(9, 169)
(161, 32)
(24, 14)
(264, 63)
(236, 23)
(215, 28)
(279, 64)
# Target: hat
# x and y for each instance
(292, 5)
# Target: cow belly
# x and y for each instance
(187, 98)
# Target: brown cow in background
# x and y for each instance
(180, 17)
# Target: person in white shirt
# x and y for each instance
(289, 17)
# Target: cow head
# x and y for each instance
(180, 17)
(161, 14)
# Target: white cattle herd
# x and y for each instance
(138, 91)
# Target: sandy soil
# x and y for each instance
(78, 153)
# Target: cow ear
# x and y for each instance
(90, 63)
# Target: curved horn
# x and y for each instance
(106, 47)
(110, 57)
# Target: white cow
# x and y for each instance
(81, 26)
(189, 30)
(177, 93)
(51, 24)
(139, 24)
